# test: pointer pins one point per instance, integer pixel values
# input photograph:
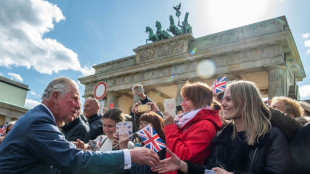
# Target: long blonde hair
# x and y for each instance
(254, 113)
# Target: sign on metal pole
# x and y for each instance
(100, 90)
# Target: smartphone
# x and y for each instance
(124, 127)
(144, 108)
(138, 89)
(209, 171)
(170, 106)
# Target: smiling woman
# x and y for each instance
(104, 142)
(248, 144)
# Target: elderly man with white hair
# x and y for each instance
(36, 145)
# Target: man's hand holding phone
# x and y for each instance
(139, 91)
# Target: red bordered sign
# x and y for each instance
(100, 90)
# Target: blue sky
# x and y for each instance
(42, 40)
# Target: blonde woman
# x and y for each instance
(246, 145)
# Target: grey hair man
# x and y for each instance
(91, 108)
(36, 145)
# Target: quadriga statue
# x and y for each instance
(161, 34)
(173, 28)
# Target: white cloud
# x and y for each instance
(31, 103)
(1, 74)
(308, 51)
(304, 92)
(22, 25)
(307, 43)
(86, 71)
(305, 36)
(34, 94)
(15, 77)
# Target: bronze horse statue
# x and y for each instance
(161, 34)
(152, 37)
(173, 28)
(186, 28)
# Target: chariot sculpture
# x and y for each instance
(174, 29)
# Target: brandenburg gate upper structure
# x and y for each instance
(263, 52)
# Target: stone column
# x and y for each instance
(112, 98)
(277, 81)
(179, 98)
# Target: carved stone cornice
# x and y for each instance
(165, 48)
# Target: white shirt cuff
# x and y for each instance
(127, 159)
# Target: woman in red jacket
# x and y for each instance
(190, 134)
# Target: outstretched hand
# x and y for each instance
(139, 92)
(80, 145)
(170, 164)
(142, 155)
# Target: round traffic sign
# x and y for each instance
(100, 90)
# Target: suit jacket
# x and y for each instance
(36, 145)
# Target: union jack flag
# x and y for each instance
(219, 85)
(2, 130)
(151, 139)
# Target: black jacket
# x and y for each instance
(77, 129)
(288, 125)
(300, 151)
(95, 125)
(270, 155)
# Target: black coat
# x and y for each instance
(300, 151)
(288, 125)
(95, 125)
(77, 129)
(270, 155)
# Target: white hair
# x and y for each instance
(61, 85)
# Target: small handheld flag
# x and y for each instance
(2, 130)
(219, 85)
(151, 139)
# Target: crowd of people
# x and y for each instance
(233, 131)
